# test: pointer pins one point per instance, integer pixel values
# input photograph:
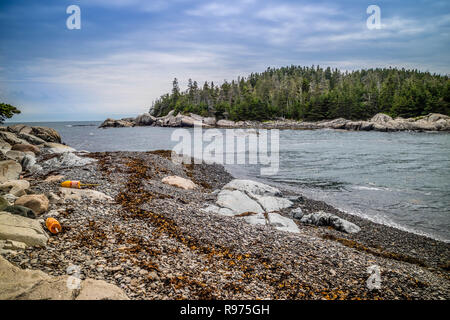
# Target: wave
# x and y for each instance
(370, 188)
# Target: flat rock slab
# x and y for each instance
(270, 203)
(255, 203)
(9, 170)
(68, 159)
(18, 228)
(54, 147)
(18, 284)
(78, 194)
(15, 187)
(253, 187)
(238, 202)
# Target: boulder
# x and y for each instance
(424, 125)
(196, 117)
(443, 125)
(19, 128)
(4, 146)
(68, 159)
(78, 194)
(435, 117)
(15, 282)
(238, 202)
(282, 223)
(172, 121)
(381, 118)
(100, 290)
(297, 213)
(327, 219)
(15, 187)
(225, 123)
(10, 198)
(21, 211)
(15, 155)
(58, 148)
(12, 245)
(338, 123)
(273, 220)
(18, 284)
(209, 121)
(26, 230)
(46, 134)
(3, 203)
(219, 210)
(31, 139)
(145, 119)
(366, 126)
(28, 163)
(241, 196)
(9, 170)
(270, 203)
(189, 121)
(111, 123)
(11, 138)
(26, 147)
(179, 182)
(36, 202)
(253, 187)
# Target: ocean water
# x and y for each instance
(400, 179)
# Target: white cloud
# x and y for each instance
(221, 9)
(294, 12)
(126, 81)
(140, 5)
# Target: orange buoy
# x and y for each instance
(75, 184)
(71, 184)
(53, 225)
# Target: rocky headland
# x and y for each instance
(150, 228)
(379, 122)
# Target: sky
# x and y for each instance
(127, 52)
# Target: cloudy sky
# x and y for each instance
(128, 51)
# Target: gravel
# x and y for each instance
(155, 242)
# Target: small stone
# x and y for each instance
(37, 202)
(54, 178)
(179, 182)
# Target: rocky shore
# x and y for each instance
(379, 122)
(154, 229)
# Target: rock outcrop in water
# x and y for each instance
(379, 122)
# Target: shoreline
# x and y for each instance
(379, 122)
(166, 247)
(141, 237)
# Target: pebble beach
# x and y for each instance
(154, 240)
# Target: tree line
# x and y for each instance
(313, 93)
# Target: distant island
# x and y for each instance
(313, 94)
(298, 97)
